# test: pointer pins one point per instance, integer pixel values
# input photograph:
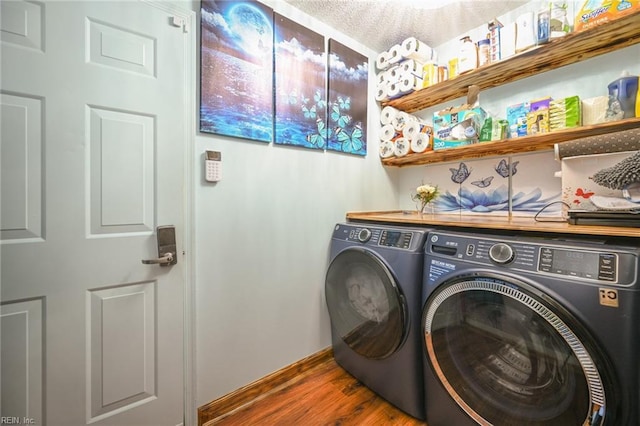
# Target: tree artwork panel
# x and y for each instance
(347, 99)
(236, 87)
(300, 78)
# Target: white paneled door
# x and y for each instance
(93, 140)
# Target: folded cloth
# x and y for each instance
(613, 203)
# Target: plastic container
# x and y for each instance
(468, 56)
(544, 18)
(624, 92)
(484, 52)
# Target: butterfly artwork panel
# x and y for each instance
(578, 187)
(300, 78)
(535, 188)
(472, 186)
(347, 99)
(236, 76)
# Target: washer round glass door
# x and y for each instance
(508, 357)
(365, 304)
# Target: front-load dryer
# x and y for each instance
(531, 330)
(373, 293)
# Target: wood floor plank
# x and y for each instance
(325, 395)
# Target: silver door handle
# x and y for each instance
(167, 259)
(167, 250)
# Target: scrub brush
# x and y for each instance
(620, 175)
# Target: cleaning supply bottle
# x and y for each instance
(623, 94)
(468, 56)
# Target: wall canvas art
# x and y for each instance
(236, 87)
(300, 92)
(347, 100)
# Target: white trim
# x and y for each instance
(189, 61)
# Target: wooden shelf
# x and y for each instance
(489, 222)
(572, 48)
(540, 142)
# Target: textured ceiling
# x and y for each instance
(380, 24)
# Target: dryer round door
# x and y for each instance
(508, 356)
(366, 307)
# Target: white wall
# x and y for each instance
(262, 241)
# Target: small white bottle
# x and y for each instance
(468, 56)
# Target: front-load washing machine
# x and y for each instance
(531, 330)
(373, 293)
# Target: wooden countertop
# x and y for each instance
(489, 222)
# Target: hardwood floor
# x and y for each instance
(324, 395)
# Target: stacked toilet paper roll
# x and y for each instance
(401, 68)
(402, 133)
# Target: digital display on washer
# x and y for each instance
(576, 263)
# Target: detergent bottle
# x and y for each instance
(623, 94)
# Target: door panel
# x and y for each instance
(22, 326)
(121, 317)
(121, 171)
(92, 149)
(21, 167)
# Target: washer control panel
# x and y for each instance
(579, 263)
(583, 260)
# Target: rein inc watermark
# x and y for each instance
(7, 420)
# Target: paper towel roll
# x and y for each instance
(626, 140)
(416, 49)
(422, 142)
(400, 120)
(402, 147)
(386, 149)
(395, 54)
(413, 128)
(387, 114)
(381, 92)
(387, 132)
(393, 90)
(382, 61)
(411, 66)
(410, 84)
(394, 74)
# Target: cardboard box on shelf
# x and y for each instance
(597, 12)
(457, 127)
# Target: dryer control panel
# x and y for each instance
(381, 237)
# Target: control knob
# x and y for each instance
(501, 253)
(364, 235)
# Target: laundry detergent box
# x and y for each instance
(597, 12)
(517, 119)
(457, 127)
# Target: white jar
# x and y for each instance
(484, 50)
(468, 56)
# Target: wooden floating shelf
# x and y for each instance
(482, 221)
(572, 48)
(540, 142)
